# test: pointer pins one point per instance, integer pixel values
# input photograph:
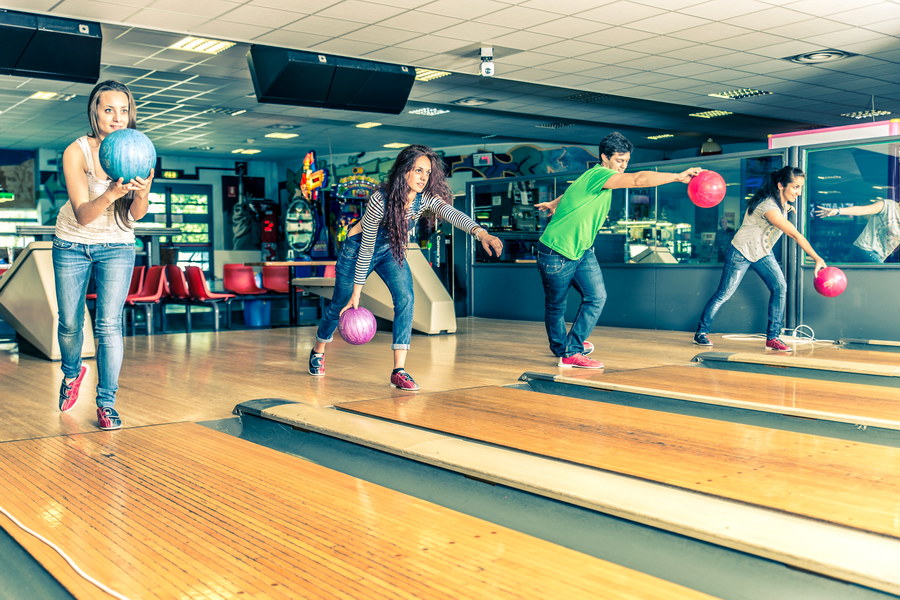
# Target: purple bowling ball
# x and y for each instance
(357, 325)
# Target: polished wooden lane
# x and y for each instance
(876, 345)
(182, 511)
(203, 375)
(846, 483)
(832, 363)
(810, 398)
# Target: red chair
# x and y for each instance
(276, 279)
(178, 293)
(151, 292)
(328, 271)
(241, 280)
(199, 292)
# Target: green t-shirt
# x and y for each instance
(580, 214)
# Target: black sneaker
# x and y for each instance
(316, 364)
(701, 339)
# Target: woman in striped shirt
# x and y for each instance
(416, 184)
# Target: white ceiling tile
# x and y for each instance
(417, 4)
(568, 48)
(291, 39)
(698, 52)
(360, 11)
(172, 21)
(422, 22)
(98, 11)
(263, 17)
(208, 8)
(659, 45)
(610, 72)
(377, 34)
(229, 31)
(566, 27)
(824, 8)
(530, 59)
(710, 32)
(399, 56)
(776, 16)
(686, 69)
(462, 9)
(890, 27)
(476, 33)
(323, 26)
(620, 13)
(646, 78)
(612, 56)
(30, 5)
(307, 6)
(854, 35)
(522, 40)
(650, 63)
(784, 49)
(802, 30)
(516, 16)
(569, 65)
(616, 36)
(344, 47)
(751, 41)
(669, 23)
(569, 7)
(434, 44)
(718, 10)
(568, 81)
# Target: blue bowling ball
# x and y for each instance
(126, 154)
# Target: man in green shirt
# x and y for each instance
(566, 248)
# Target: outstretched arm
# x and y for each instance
(777, 219)
(643, 179)
(862, 209)
(550, 207)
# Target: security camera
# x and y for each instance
(487, 62)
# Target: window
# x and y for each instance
(187, 208)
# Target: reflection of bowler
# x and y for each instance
(881, 235)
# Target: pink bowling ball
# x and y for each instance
(357, 325)
(830, 282)
(706, 189)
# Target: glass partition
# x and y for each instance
(653, 225)
(852, 212)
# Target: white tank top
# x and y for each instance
(104, 229)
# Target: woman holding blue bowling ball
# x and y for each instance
(95, 237)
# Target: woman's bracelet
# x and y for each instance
(475, 233)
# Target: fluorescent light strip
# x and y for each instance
(281, 135)
(428, 111)
(396, 145)
(429, 74)
(368, 125)
(710, 114)
(202, 45)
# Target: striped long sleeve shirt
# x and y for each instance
(374, 214)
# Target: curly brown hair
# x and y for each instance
(396, 194)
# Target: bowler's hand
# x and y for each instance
(489, 241)
(687, 175)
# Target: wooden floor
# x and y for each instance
(836, 401)
(202, 376)
(842, 482)
(58, 469)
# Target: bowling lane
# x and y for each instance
(837, 481)
(841, 402)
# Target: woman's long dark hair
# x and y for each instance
(122, 205)
(396, 192)
(769, 188)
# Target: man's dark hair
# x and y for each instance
(615, 142)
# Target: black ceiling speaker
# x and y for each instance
(283, 76)
(49, 47)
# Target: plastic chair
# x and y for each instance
(199, 292)
(152, 290)
(276, 279)
(329, 271)
(178, 293)
(241, 280)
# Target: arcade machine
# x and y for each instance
(352, 193)
(303, 219)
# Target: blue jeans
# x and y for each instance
(558, 274)
(857, 254)
(397, 277)
(111, 265)
(735, 268)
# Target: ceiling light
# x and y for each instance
(429, 74)
(245, 151)
(279, 135)
(739, 94)
(221, 110)
(204, 45)
(586, 97)
(819, 56)
(282, 126)
(709, 114)
(554, 125)
(51, 96)
(205, 148)
(661, 136)
(428, 111)
(368, 125)
(472, 101)
(866, 114)
(396, 145)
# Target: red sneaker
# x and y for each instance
(68, 393)
(776, 344)
(580, 360)
(316, 364)
(404, 381)
(108, 418)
